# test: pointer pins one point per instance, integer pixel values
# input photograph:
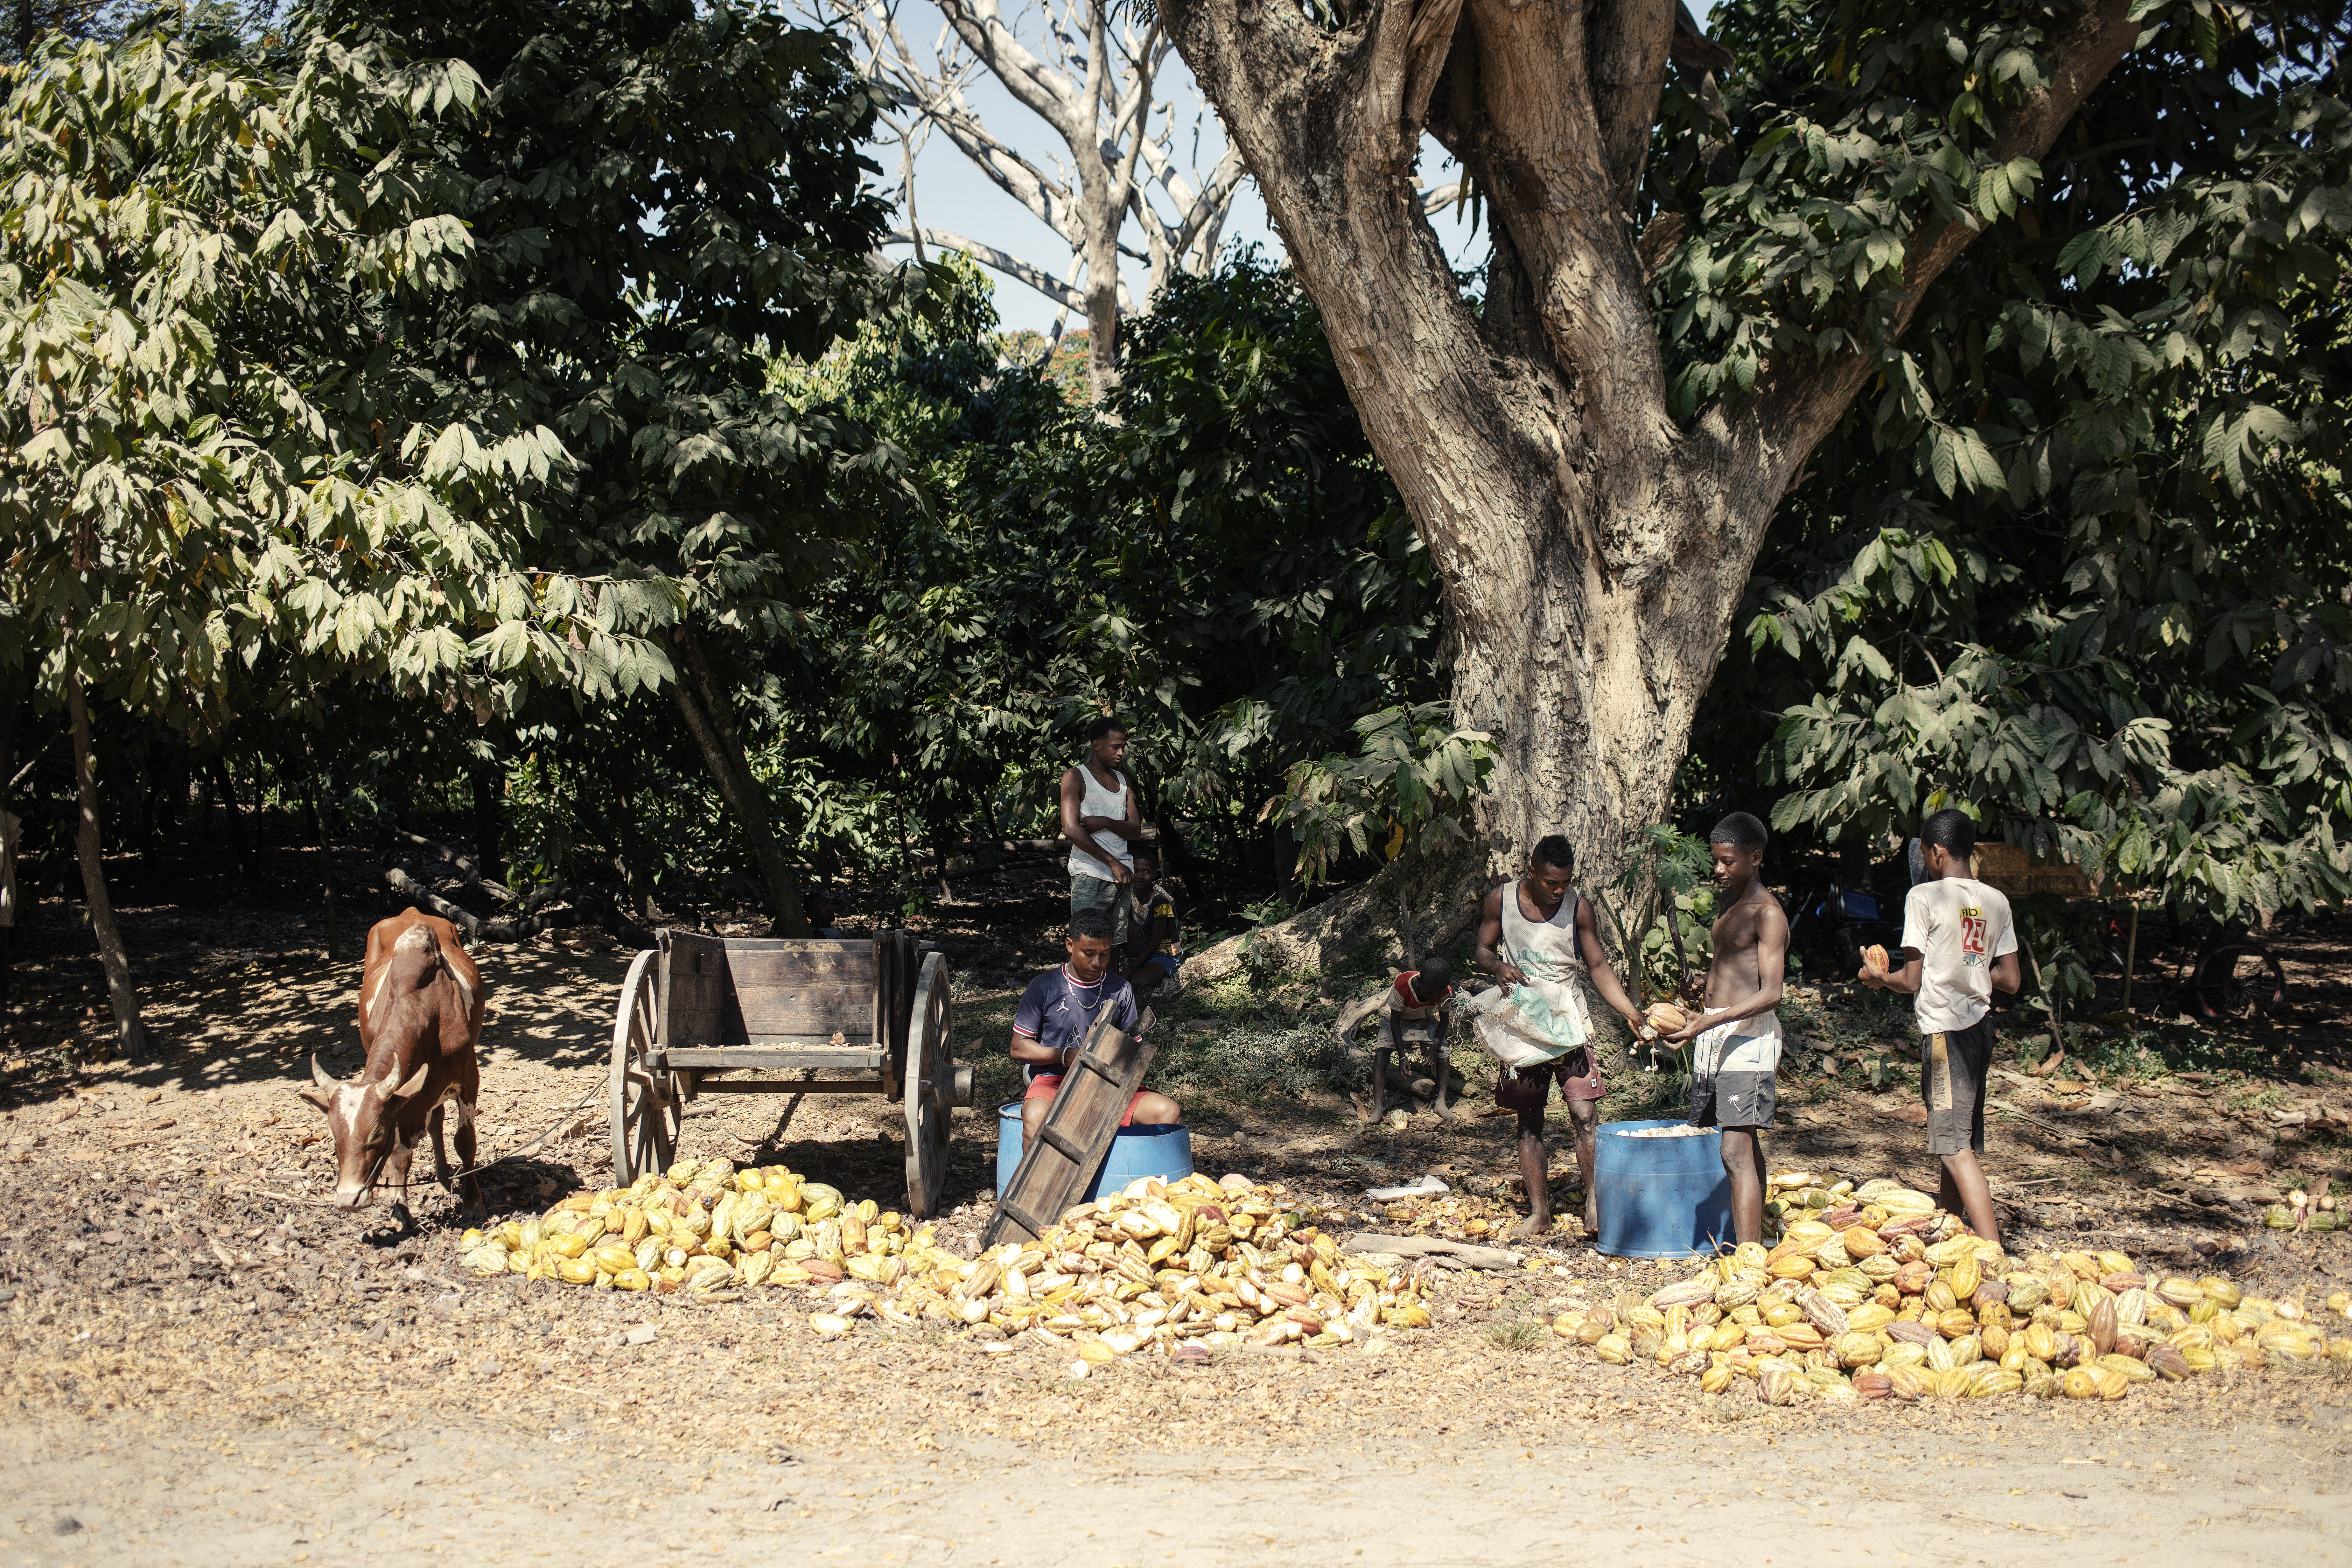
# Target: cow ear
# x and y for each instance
(416, 1084)
(317, 1096)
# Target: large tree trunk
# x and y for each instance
(702, 703)
(1591, 552)
(130, 1033)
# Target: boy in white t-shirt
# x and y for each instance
(1958, 946)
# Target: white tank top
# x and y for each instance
(1546, 950)
(1101, 802)
(1551, 1004)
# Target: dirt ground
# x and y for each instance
(201, 1363)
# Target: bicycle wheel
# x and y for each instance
(2241, 981)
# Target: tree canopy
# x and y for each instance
(2078, 563)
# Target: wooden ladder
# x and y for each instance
(1079, 1125)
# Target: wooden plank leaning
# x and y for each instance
(1079, 1125)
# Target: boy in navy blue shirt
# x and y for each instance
(1049, 1028)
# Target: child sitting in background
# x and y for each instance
(1417, 990)
(1155, 943)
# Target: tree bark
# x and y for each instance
(326, 854)
(12, 711)
(490, 781)
(130, 1034)
(702, 703)
(225, 785)
(1592, 554)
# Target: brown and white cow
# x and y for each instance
(420, 1014)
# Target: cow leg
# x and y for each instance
(395, 1172)
(440, 1154)
(470, 1193)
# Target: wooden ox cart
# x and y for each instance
(706, 1015)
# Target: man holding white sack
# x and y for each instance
(1538, 938)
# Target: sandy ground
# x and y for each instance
(224, 1492)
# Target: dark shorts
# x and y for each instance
(1953, 1069)
(1732, 1100)
(1529, 1088)
(1095, 893)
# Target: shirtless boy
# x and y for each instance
(1738, 1034)
(1537, 937)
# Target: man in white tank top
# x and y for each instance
(1102, 822)
(1537, 939)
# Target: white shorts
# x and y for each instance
(1743, 1045)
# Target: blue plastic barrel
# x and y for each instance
(1661, 1197)
(1163, 1152)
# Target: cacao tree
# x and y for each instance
(667, 199)
(2079, 564)
(1689, 289)
(213, 478)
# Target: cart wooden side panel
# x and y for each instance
(697, 993)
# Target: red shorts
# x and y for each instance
(1046, 1086)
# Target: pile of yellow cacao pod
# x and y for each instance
(1155, 1266)
(1883, 1295)
(704, 1225)
(1177, 1268)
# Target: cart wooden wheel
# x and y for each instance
(645, 1109)
(935, 1086)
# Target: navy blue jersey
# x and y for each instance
(1058, 1011)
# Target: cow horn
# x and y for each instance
(318, 1074)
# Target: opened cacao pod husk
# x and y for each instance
(2101, 1323)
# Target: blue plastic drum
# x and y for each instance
(1135, 1151)
(1661, 1197)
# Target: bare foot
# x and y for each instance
(1532, 1227)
